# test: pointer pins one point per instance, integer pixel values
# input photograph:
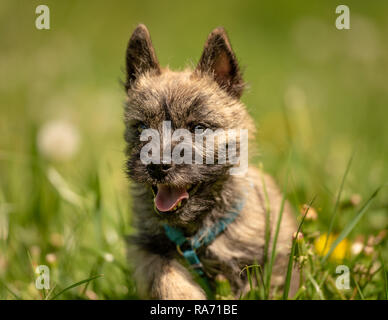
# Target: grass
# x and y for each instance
(350, 226)
(290, 266)
(337, 201)
(269, 266)
(314, 91)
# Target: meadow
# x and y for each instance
(318, 95)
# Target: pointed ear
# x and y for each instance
(219, 60)
(141, 56)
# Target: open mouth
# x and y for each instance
(170, 198)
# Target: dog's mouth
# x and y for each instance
(170, 198)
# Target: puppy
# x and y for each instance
(226, 212)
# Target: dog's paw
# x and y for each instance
(175, 283)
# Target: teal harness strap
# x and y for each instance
(202, 238)
(205, 237)
(176, 236)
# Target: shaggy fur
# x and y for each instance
(207, 96)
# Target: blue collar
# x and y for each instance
(202, 238)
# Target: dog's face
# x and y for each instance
(195, 100)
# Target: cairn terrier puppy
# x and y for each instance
(194, 197)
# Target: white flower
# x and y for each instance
(109, 257)
(357, 248)
(51, 258)
(58, 140)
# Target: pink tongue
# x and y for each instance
(168, 197)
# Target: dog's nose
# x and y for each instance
(158, 171)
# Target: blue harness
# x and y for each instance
(202, 238)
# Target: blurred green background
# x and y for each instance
(315, 91)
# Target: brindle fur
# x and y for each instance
(207, 95)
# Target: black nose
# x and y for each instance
(158, 171)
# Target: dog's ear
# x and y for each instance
(219, 60)
(140, 56)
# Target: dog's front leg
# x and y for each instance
(162, 278)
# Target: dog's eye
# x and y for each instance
(199, 127)
(141, 126)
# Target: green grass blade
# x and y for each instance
(289, 271)
(334, 214)
(249, 279)
(267, 219)
(258, 272)
(359, 290)
(316, 286)
(47, 297)
(385, 275)
(299, 293)
(10, 291)
(275, 239)
(291, 258)
(345, 232)
(260, 279)
(335, 289)
(76, 285)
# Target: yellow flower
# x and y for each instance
(339, 253)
